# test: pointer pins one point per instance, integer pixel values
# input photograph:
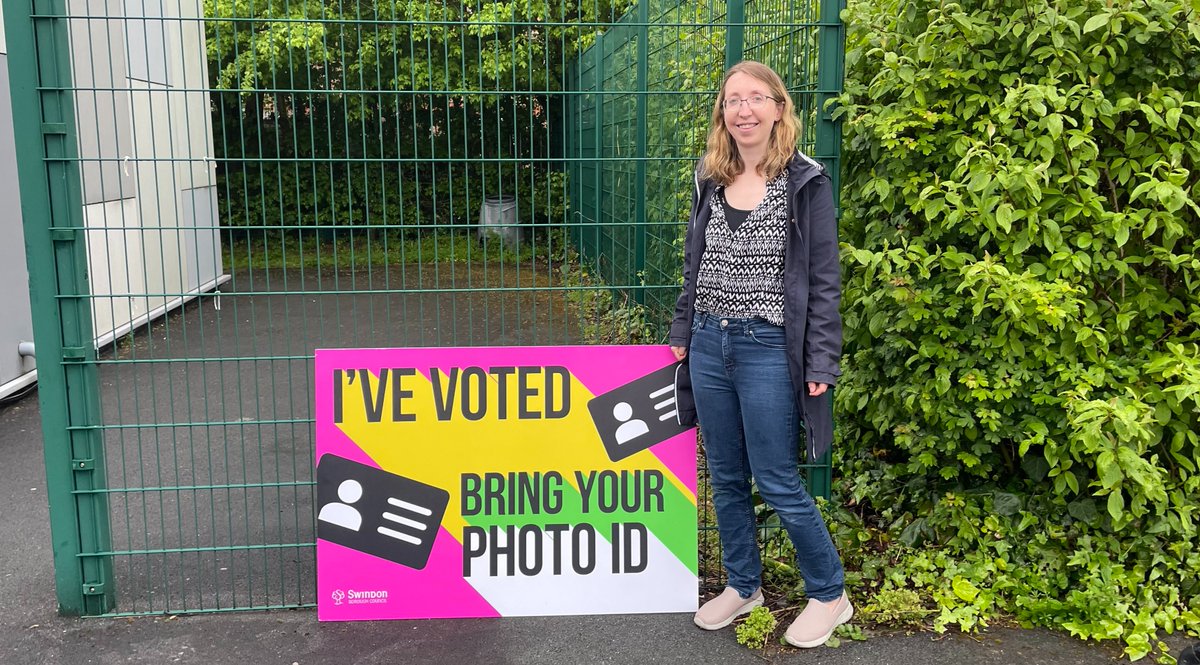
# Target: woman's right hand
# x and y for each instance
(679, 352)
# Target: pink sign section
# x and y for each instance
(383, 548)
(367, 587)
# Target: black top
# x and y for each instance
(733, 215)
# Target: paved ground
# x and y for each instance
(31, 632)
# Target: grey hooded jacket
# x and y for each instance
(812, 293)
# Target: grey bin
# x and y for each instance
(498, 219)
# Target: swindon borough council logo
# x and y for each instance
(353, 597)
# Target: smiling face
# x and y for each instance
(750, 127)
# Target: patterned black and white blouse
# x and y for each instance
(741, 271)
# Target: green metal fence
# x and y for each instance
(213, 189)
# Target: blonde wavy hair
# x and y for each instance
(721, 162)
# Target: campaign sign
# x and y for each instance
(484, 482)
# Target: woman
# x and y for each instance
(758, 330)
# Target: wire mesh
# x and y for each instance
(262, 178)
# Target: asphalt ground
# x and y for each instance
(32, 632)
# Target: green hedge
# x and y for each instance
(1019, 415)
(270, 193)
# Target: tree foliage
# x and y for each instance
(398, 112)
(1023, 326)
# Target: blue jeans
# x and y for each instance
(750, 424)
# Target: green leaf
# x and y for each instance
(964, 589)
(1121, 236)
(912, 534)
(1071, 480)
(1096, 22)
(1116, 504)
(1172, 117)
(1006, 504)
(1035, 467)
(1108, 469)
(1083, 510)
(1004, 216)
(1054, 123)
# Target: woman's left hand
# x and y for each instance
(816, 389)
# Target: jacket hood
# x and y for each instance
(803, 168)
(800, 169)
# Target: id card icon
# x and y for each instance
(637, 415)
(378, 513)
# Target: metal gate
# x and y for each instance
(213, 189)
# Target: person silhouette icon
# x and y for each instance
(629, 429)
(342, 514)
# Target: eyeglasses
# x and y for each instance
(755, 102)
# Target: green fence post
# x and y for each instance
(581, 167)
(735, 32)
(601, 165)
(571, 127)
(639, 201)
(39, 63)
(831, 62)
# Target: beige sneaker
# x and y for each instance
(722, 610)
(816, 623)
